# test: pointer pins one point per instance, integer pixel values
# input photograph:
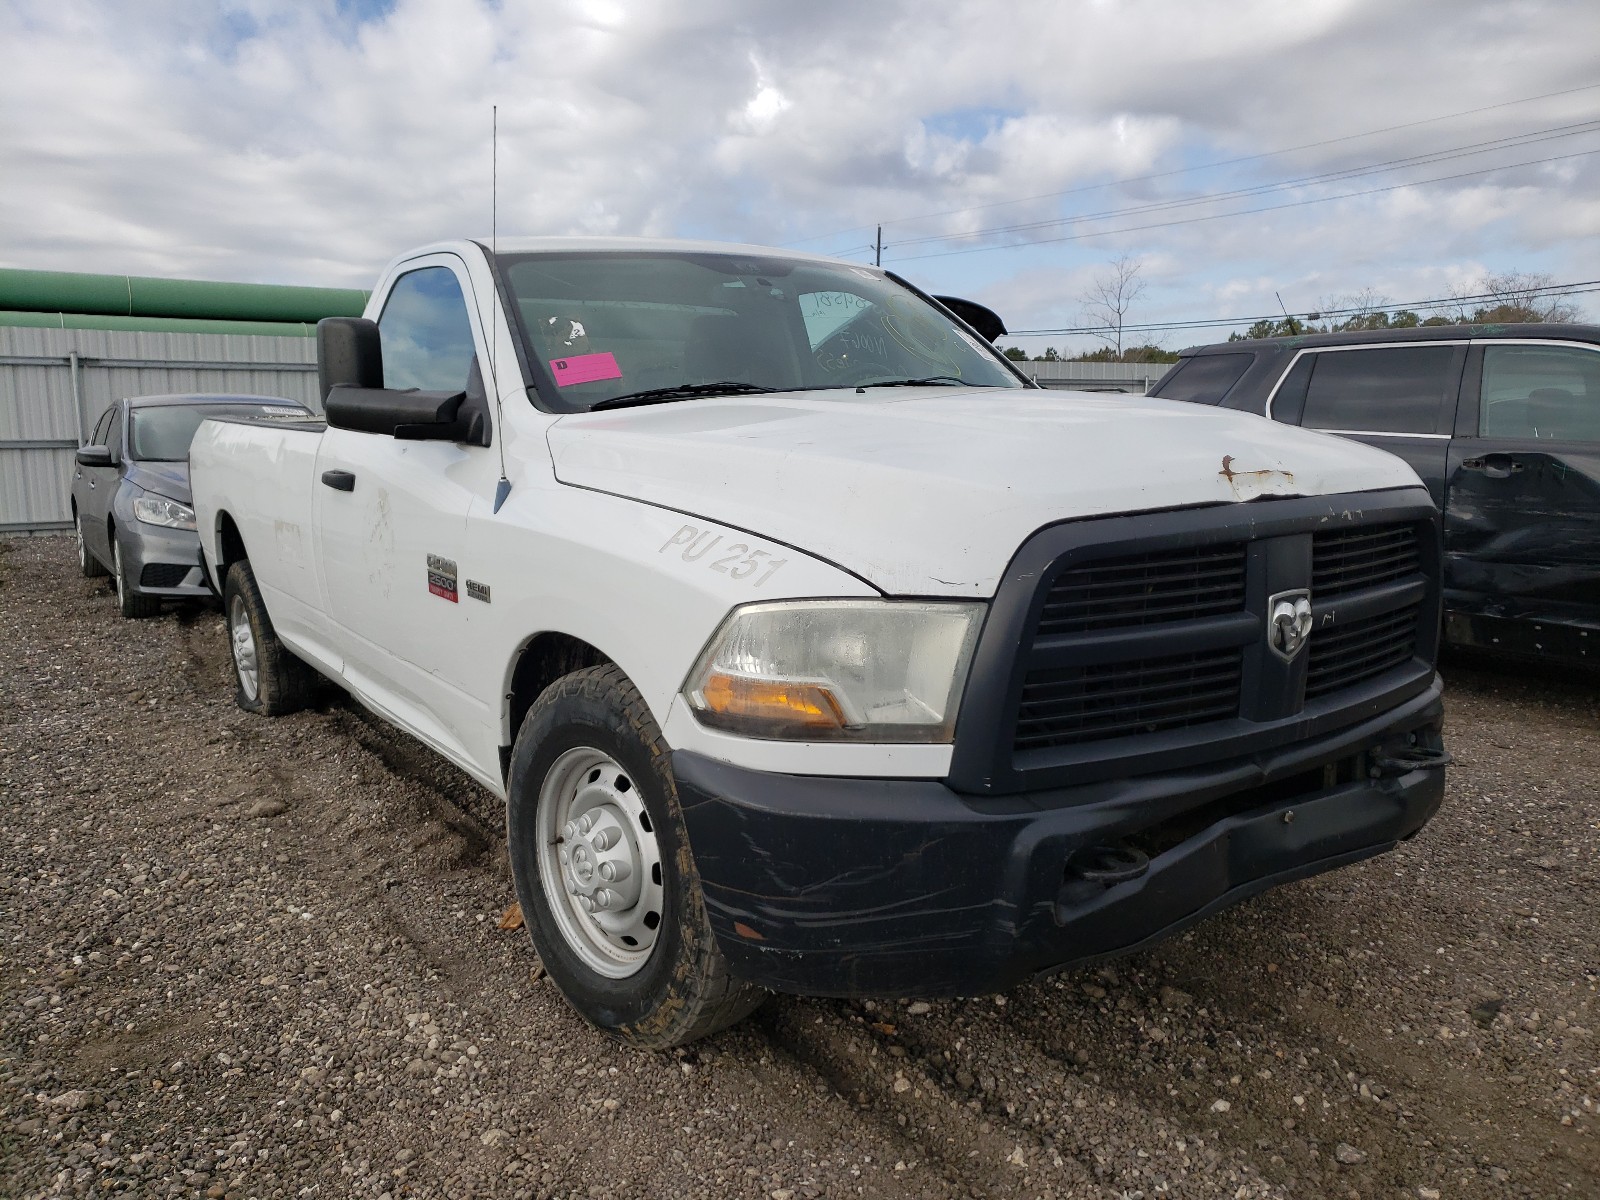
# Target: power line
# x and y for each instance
(1581, 287)
(1226, 162)
(1245, 212)
(1470, 149)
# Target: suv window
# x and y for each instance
(426, 334)
(1545, 392)
(1205, 378)
(1390, 389)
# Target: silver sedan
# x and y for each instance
(130, 494)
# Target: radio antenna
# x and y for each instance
(502, 489)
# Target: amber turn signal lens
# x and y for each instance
(804, 704)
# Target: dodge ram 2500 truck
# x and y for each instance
(812, 647)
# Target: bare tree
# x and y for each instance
(1510, 297)
(1110, 296)
(1364, 309)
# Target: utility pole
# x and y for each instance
(877, 249)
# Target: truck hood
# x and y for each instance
(929, 491)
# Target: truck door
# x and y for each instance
(1522, 519)
(391, 518)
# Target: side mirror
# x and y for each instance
(985, 320)
(93, 456)
(349, 354)
(408, 415)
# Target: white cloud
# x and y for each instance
(291, 141)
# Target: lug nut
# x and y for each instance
(604, 839)
(585, 903)
(585, 823)
(605, 898)
(569, 831)
(613, 869)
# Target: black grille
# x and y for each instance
(1146, 589)
(1081, 704)
(1361, 650)
(163, 574)
(1348, 560)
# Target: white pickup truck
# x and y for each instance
(810, 645)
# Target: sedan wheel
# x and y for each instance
(87, 562)
(133, 605)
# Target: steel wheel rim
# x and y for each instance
(116, 570)
(83, 551)
(599, 862)
(243, 640)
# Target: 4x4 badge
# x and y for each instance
(1288, 622)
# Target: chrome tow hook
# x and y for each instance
(1385, 763)
(1107, 865)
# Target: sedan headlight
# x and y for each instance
(838, 670)
(158, 510)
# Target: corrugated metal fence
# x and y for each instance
(1137, 378)
(55, 383)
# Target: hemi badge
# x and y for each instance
(478, 591)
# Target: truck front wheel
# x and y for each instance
(608, 888)
(271, 680)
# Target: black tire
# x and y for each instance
(91, 566)
(282, 683)
(683, 990)
(133, 605)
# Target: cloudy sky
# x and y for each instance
(1237, 151)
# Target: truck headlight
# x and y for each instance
(158, 510)
(837, 670)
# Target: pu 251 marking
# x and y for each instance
(737, 561)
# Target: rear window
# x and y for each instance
(162, 432)
(1205, 378)
(1395, 389)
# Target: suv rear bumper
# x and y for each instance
(863, 887)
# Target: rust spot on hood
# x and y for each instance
(1247, 485)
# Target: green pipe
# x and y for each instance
(135, 296)
(56, 320)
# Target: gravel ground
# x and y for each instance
(254, 958)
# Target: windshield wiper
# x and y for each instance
(682, 391)
(925, 381)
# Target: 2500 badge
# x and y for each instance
(737, 560)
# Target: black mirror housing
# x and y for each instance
(408, 415)
(94, 456)
(349, 354)
(985, 320)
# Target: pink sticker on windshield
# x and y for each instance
(585, 368)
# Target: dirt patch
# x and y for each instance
(257, 958)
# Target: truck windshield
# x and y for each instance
(609, 326)
(162, 433)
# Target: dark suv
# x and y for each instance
(1502, 422)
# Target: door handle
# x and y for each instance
(1495, 466)
(340, 481)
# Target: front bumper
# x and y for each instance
(163, 562)
(864, 887)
